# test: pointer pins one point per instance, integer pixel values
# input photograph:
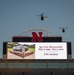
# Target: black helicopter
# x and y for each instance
(63, 29)
(42, 16)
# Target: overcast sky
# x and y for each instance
(19, 15)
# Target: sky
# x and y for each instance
(19, 15)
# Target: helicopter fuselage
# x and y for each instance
(42, 18)
(63, 30)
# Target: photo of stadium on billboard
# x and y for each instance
(20, 50)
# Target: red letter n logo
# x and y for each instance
(36, 37)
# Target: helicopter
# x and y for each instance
(63, 29)
(42, 16)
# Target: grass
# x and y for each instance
(32, 49)
(9, 49)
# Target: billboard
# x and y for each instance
(36, 50)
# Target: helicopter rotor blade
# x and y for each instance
(45, 16)
(38, 15)
(60, 28)
(66, 28)
(43, 13)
